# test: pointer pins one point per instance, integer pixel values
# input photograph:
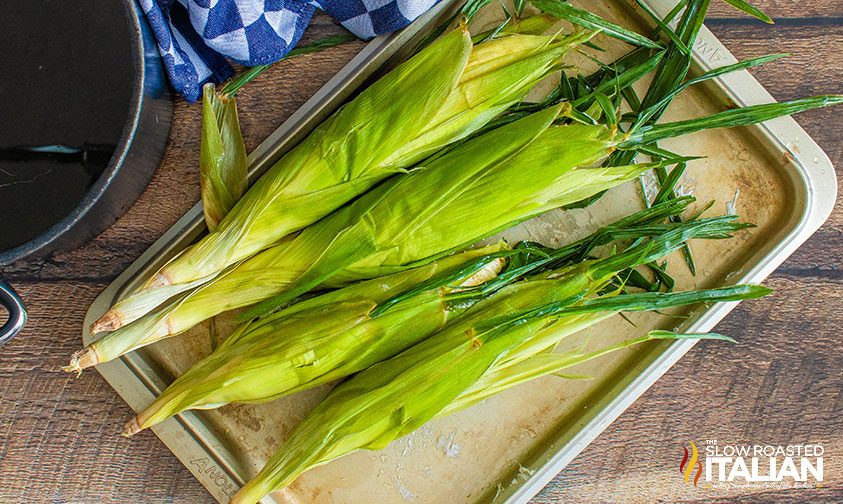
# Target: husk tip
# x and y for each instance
(131, 428)
(81, 359)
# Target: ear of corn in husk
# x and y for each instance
(440, 95)
(312, 342)
(323, 338)
(478, 356)
(222, 161)
(367, 413)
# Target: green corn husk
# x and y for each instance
(222, 162)
(486, 351)
(444, 93)
(291, 350)
(321, 339)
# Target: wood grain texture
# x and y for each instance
(782, 383)
(779, 10)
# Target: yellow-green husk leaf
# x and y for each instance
(222, 160)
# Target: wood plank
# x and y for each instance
(59, 436)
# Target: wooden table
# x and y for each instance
(782, 383)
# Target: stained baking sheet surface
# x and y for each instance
(507, 447)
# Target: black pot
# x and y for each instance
(135, 157)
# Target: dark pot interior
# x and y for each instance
(87, 106)
(86, 114)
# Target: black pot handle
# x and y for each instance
(17, 312)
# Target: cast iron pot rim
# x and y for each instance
(43, 240)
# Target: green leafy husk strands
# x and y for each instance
(485, 352)
(223, 177)
(671, 71)
(330, 336)
(442, 94)
(729, 119)
(668, 82)
(568, 12)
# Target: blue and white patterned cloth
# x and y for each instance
(197, 37)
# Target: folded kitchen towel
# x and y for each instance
(197, 37)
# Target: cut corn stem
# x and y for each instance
(122, 313)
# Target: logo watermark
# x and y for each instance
(716, 465)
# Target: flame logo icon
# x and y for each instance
(686, 467)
